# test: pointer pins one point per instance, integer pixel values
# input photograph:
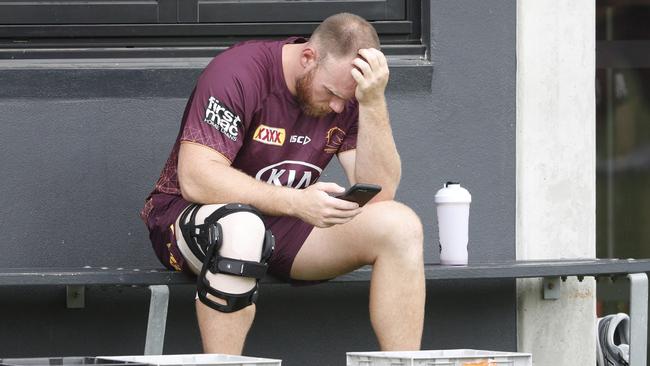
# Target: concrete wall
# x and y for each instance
(82, 144)
(556, 149)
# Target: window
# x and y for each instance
(623, 129)
(169, 28)
(622, 138)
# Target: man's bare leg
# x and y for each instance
(244, 234)
(387, 235)
(397, 295)
(224, 332)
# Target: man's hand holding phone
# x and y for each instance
(324, 204)
(360, 193)
(317, 205)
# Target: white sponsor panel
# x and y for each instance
(290, 173)
(222, 118)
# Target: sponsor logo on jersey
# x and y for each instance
(222, 118)
(270, 135)
(333, 140)
(302, 140)
(290, 173)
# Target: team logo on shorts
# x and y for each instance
(270, 135)
(172, 260)
(334, 139)
(222, 118)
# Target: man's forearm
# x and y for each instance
(234, 186)
(377, 160)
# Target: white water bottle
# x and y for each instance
(452, 208)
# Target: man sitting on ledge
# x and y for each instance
(261, 124)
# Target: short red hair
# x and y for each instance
(344, 34)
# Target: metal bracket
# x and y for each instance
(155, 340)
(75, 296)
(551, 288)
(638, 318)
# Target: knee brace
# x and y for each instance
(206, 241)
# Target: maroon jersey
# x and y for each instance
(241, 108)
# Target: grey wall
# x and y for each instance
(81, 147)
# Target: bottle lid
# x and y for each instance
(452, 192)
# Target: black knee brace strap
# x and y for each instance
(205, 241)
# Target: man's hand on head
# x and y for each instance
(371, 73)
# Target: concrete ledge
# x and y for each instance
(144, 78)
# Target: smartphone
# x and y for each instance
(360, 193)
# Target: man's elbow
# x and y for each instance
(189, 191)
(386, 194)
(391, 190)
(388, 190)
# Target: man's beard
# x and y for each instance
(304, 97)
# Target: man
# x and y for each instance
(263, 121)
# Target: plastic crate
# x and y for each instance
(196, 359)
(450, 357)
(64, 361)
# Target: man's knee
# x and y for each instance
(397, 227)
(230, 246)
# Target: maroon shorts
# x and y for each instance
(162, 210)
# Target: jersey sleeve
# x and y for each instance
(350, 139)
(222, 104)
